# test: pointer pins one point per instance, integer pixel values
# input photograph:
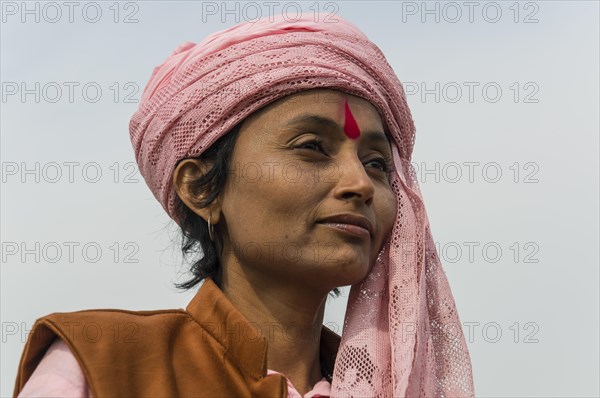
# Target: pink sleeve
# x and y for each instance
(58, 375)
(320, 390)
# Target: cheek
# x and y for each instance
(266, 199)
(274, 189)
(387, 211)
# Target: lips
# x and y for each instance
(351, 219)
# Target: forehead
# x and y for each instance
(324, 102)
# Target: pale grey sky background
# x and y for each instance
(505, 97)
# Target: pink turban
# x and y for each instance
(402, 335)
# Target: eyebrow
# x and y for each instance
(376, 136)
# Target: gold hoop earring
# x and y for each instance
(210, 229)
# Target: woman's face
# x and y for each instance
(283, 184)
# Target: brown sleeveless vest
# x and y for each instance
(208, 350)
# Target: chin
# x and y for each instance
(352, 272)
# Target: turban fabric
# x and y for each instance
(402, 334)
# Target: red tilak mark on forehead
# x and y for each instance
(350, 126)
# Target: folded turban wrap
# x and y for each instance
(402, 335)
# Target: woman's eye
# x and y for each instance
(313, 144)
(382, 164)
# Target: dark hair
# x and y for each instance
(195, 240)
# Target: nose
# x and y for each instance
(353, 181)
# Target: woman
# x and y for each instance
(283, 150)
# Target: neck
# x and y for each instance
(290, 317)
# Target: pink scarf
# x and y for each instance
(402, 335)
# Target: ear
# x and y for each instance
(190, 170)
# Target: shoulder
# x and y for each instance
(118, 325)
(101, 328)
(99, 336)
